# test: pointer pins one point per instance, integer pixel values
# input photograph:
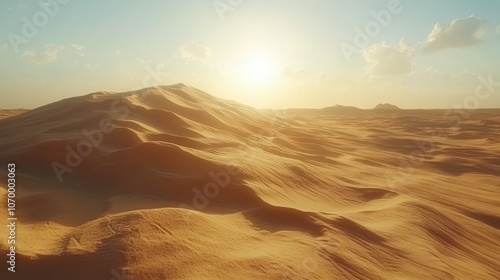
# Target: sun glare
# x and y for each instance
(259, 70)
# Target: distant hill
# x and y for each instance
(341, 109)
(386, 106)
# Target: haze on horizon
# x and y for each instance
(414, 54)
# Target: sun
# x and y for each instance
(259, 70)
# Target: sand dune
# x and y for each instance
(5, 113)
(170, 182)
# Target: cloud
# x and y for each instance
(498, 29)
(48, 55)
(388, 59)
(192, 51)
(116, 52)
(78, 49)
(460, 33)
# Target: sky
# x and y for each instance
(263, 53)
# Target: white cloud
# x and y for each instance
(48, 55)
(192, 51)
(78, 49)
(461, 32)
(498, 29)
(388, 59)
(116, 52)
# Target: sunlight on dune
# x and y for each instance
(173, 183)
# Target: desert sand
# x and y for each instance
(170, 182)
